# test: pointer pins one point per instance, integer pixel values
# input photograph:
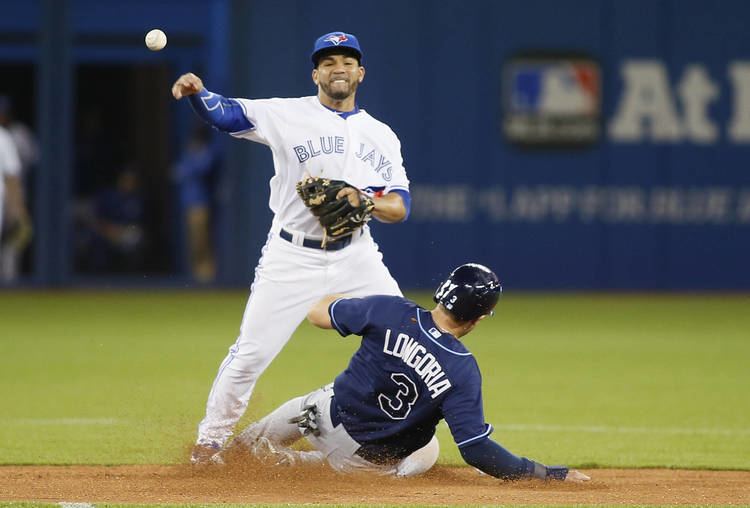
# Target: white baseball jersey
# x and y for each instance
(307, 138)
(10, 164)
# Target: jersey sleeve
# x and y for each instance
(463, 411)
(263, 115)
(352, 315)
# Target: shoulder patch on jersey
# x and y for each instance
(434, 332)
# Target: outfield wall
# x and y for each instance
(652, 189)
(581, 144)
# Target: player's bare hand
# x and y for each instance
(576, 477)
(351, 194)
(187, 84)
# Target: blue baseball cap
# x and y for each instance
(335, 40)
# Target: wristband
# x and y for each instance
(557, 472)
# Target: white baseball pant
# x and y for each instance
(289, 279)
(333, 444)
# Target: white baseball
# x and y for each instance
(156, 40)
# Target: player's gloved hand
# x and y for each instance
(307, 420)
(17, 233)
(576, 477)
(340, 208)
(560, 473)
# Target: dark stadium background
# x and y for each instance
(545, 216)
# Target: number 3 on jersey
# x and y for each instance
(399, 405)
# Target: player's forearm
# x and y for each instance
(393, 207)
(225, 114)
(318, 314)
(491, 458)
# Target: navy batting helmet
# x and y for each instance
(470, 291)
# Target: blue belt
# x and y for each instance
(318, 244)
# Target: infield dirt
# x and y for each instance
(256, 483)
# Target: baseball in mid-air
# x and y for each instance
(156, 40)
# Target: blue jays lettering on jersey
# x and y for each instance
(405, 377)
(326, 145)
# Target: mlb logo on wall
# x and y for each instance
(552, 100)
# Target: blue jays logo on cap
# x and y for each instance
(335, 40)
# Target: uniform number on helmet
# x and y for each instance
(398, 406)
(449, 304)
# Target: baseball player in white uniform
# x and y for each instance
(327, 136)
(18, 227)
(11, 196)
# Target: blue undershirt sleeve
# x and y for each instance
(491, 458)
(407, 201)
(225, 114)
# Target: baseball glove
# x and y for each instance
(18, 233)
(337, 215)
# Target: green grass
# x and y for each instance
(587, 380)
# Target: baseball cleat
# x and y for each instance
(206, 454)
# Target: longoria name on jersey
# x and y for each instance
(426, 366)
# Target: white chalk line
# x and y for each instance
(76, 505)
(604, 429)
(521, 427)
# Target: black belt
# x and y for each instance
(318, 244)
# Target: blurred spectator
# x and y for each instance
(15, 226)
(196, 175)
(111, 238)
(23, 137)
(17, 231)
